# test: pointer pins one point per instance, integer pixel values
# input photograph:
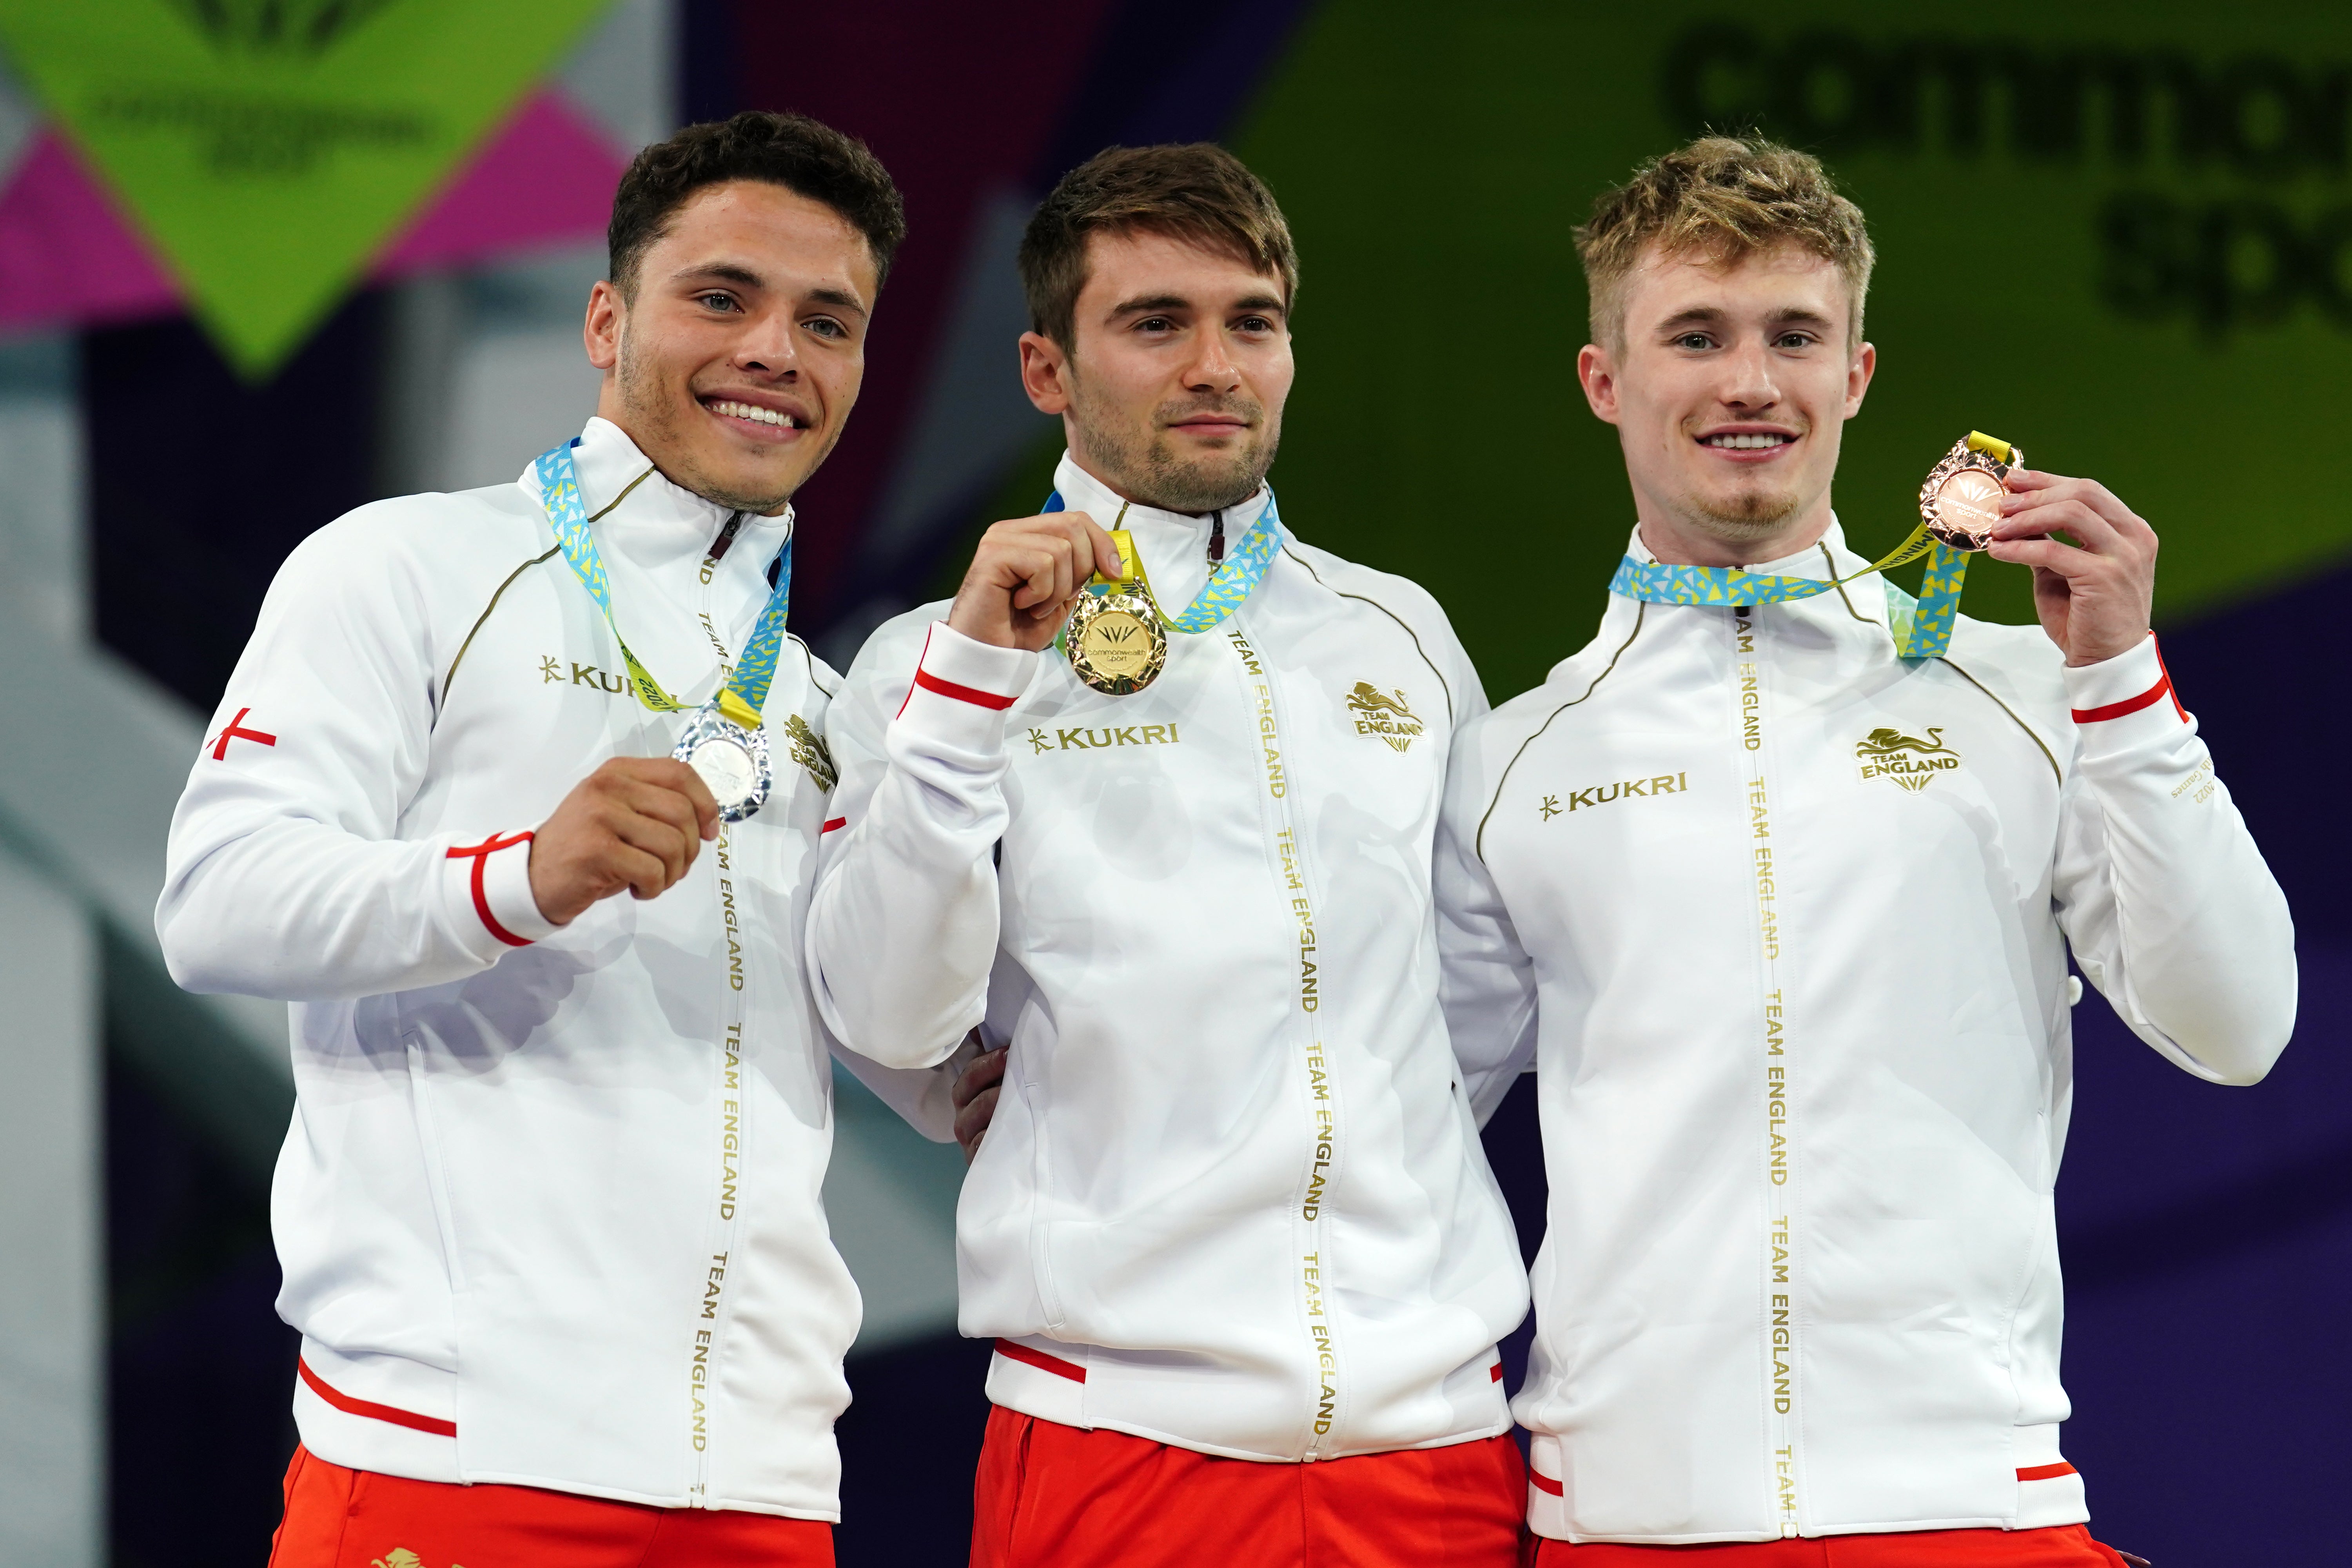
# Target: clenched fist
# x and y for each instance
(635, 823)
(1026, 576)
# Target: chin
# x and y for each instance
(1737, 518)
(1207, 484)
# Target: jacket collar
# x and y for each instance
(1175, 546)
(653, 522)
(1824, 559)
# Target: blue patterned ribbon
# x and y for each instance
(1229, 585)
(746, 693)
(1921, 628)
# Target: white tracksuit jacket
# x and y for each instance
(1783, 922)
(548, 1210)
(1233, 1198)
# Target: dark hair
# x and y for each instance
(801, 154)
(1196, 191)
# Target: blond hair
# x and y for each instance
(1719, 199)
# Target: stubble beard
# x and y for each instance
(1752, 516)
(1150, 471)
(653, 423)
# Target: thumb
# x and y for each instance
(1107, 559)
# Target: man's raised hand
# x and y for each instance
(635, 823)
(1026, 576)
(2094, 601)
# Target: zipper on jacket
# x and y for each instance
(1753, 734)
(1323, 1099)
(714, 1313)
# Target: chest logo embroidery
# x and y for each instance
(1623, 789)
(552, 670)
(810, 751)
(1085, 740)
(1384, 715)
(1909, 761)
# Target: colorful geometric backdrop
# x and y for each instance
(2122, 238)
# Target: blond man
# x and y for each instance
(1783, 917)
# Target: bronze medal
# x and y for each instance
(1960, 501)
(1116, 641)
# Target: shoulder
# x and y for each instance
(435, 538)
(2020, 664)
(1399, 597)
(425, 549)
(1401, 600)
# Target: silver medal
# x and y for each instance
(729, 758)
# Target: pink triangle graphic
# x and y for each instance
(66, 254)
(69, 257)
(546, 177)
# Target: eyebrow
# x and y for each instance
(1145, 303)
(734, 272)
(839, 298)
(1142, 302)
(1710, 315)
(724, 272)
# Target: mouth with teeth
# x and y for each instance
(726, 408)
(1761, 441)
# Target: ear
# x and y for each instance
(1596, 371)
(601, 333)
(1857, 377)
(1045, 372)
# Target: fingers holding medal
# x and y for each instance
(1027, 574)
(2093, 561)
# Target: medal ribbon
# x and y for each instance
(1922, 627)
(746, 692)
(1227, 587)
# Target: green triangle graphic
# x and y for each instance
(269, 148)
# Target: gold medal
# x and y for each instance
(1960, 501)
(1116, 638)
(1117, 643)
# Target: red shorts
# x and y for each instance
(1049, 1495)
(2056, 1546)
(337, 1518)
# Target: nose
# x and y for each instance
(1747, 380)
(767, 346)
(1213, 369)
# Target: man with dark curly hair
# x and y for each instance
(549, 1211)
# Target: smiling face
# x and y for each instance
(734, 361)
(1172, 393)
(1731, 391)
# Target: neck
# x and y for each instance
(1123, 489)
(1677, 542)
(614, 410)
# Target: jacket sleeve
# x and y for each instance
(2169, 908)
(1485, 979)
(285, 877)
(903, 923)
(923, 1098)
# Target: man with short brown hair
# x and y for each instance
(1776, 883)
(1232, 1214)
